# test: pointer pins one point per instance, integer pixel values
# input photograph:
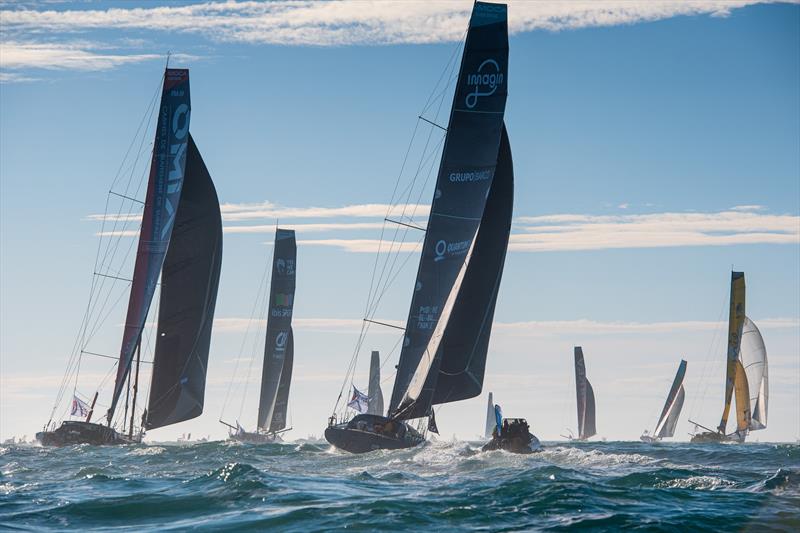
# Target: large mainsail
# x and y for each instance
(161, 204)
(189, 282)
(490, 419)
(585, 397)
(672, 407)
(279, 323)
(735, 379)
(374, 392)
(449, 322)
(753, 357)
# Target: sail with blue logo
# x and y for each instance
(164, 186)
(443, 356)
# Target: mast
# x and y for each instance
(279, 323)
(446, 280)
(164, 186)
(135, 388)
(735, 379)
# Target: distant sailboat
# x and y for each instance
(490, 418)
(276, 373)
(746, 374)
(180, 240)
(585, 400)
(374, 392)
(443, 353)
(665, 427)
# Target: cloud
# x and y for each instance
(63, 56)
(350, 22)
(267, 210)
(534, 328)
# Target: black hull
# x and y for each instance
(72, 432)
(360, 435)
(520, 444)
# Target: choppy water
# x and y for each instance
(441, 486)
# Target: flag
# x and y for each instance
(432, 423)
(79, 407)
(498, 417)
(359, 402)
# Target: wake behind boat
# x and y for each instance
(446, 335)
(180, 240)
(746, 374)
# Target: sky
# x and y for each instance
(656, 146)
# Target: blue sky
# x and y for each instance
(655, 145)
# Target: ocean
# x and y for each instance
(441, 486)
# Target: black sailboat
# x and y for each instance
(180, 241)
(665, 427)
(585, 399)
(446, 337)
(276, 372)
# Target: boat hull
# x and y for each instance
(648, 439)
(255, 438)
(73, 432)
(365, 433)
(524, 445)
(710, 437)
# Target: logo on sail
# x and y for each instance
(180, 128)
(280, 344)
(485, 81)
(443, 249)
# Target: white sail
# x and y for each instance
(490, 418)
(666, 426)
(753, 355)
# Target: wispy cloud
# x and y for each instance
(349, 22)
(544, 233)
(534, 328)
(63, 56)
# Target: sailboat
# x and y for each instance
(746, 374)
(585, 400)
(276, 372)
(665, 427)
(491, 423)
(180, 240)
(446, 334)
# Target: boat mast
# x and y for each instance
(135, 387)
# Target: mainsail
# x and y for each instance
(374, 392)
(189, 282)
(490, 422)
(161, 204)
(585, 394)
(753, 357)
(444, 350)
(735, 379)
(672, 407)
(279, 338)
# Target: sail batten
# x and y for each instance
(167, 169)
(279, 323)
(467, 173)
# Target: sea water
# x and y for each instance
(439, 486)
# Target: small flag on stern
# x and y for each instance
(359, 401)
(79, 407)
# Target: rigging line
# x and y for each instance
(433, 123)
(704, 380)
(126, 197)
(87, 352)
(384, 324)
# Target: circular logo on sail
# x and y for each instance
(440, 249)
(280, 343)
(484, 82)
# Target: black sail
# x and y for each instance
(466, 175)
(278, 422)
(374, 392)
(279, 323)
(189, 282)
(585, 398)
